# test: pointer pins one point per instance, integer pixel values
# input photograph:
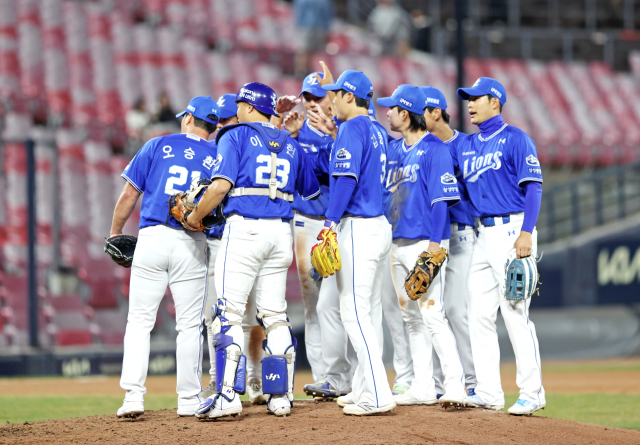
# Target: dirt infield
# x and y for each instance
(318, 423)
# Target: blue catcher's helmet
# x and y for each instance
(259, 96)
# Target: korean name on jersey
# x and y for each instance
(165, 166)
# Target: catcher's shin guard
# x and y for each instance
(278, 370)
(231, 364)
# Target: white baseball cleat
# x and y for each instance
(254, 391)
(187, 410)
(217, 406)
(280, 406)
(208, 391)
(476, 401)
(131, 410)
(366, 409)
(525, 408)
(408, 398)
(456, 401)
(345, 400)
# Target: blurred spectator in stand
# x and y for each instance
(392, 25)
(165, 113)
(422, 25)
(137, 120)
(313, 20)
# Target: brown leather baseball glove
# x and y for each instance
(420, 278)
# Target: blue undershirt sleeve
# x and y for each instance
(532, 201)
(340, 197)
(438, 219)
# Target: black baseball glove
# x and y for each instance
(120, 248)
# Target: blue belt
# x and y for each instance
(490, 221)
(462, 226)
(284, 220)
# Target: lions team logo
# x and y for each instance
(313, 80)
(448, 178)
(221, 102)
(291, 150)
(477, 83)
(343, 154)
(532, 160)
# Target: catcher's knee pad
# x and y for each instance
(278, 370)
(231, 366)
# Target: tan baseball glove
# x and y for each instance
(420, 278)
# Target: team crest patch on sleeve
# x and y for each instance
(291, 150)
(343, 154)
(448, 178)
(532, 160)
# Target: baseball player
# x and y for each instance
(460, 245)
(265, 167)
(254, 334)
(356, 215)
(166, 255)
(423, 175)
(308, 220)
(503, 177)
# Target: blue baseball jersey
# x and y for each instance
(360, 152)
(218, 230)
(459, 213)
(422, 176)
(245, 161)
(386, 194)
(312, 140)
(165, 166)
(496, 168)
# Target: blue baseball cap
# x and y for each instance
(406, 96)
(227, 106)
(354, 82)
(260, 96)
(201, 107)
(312, 86)
(435, 98)
(483, 86)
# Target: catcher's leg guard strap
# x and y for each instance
(231, 367)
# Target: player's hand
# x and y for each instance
(327, 78)
(112, 234)
(433, 247)
(192, 221)
(293, 123)
(322, 122)
(523, 245)
(287, 103)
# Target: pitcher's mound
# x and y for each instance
(321, 423)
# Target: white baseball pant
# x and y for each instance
(455, 302)
(253, 333)
(402, 362)
(305, 231)
(364, 243)
(427, 324)
(485, 295)
(166, 256)
(255, 254)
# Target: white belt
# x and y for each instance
(255, 191)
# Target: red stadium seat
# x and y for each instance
(73, 338)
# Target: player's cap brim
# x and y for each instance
(332, 87)
(180, 114)
(224, 114)
(464, 93)
(317, 91)
(387, 102)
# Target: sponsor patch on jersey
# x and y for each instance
(343, 154)
(468, 153)
(343, 164)
(448, 178)
(532, 160)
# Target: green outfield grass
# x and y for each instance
(616, 410)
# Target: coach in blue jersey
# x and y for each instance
(166, 254)
(460, 245)
(423, 175)
(265, 167)
(356, 214)
(503, 177)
